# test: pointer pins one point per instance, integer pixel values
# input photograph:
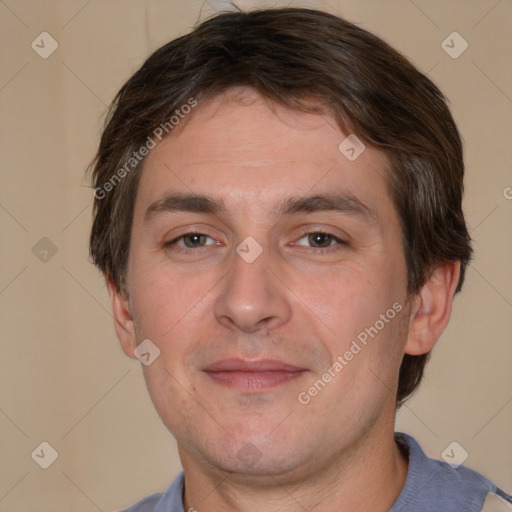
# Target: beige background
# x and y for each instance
(64, 379)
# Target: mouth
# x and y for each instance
(253, 376)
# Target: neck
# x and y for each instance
(368, 476)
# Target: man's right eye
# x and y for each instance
(191, 241)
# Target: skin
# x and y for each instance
(299, 302)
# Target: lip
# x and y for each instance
(247, 376)
(261, 365)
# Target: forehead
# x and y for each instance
(251, 152)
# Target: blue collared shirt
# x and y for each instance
(431, 486)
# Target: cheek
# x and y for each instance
(164, 300)
(174, 311)
(347, 299)
(169, 398)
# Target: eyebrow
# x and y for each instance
(198, 203)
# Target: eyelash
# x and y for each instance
(316, 250)
(324, 250)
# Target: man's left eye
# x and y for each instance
(319, 240)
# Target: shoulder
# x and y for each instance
(146, 504)
(436, 485)
(170, 501)
(497, 502)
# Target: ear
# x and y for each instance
(432, 308)
(123, 320)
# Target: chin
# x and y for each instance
(255, 463)
(255, 454)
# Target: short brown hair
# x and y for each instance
(291, 56)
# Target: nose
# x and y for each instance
(252, 297)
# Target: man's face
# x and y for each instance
(246, 327)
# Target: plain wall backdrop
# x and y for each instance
(63, 377)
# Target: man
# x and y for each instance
(278, 217)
